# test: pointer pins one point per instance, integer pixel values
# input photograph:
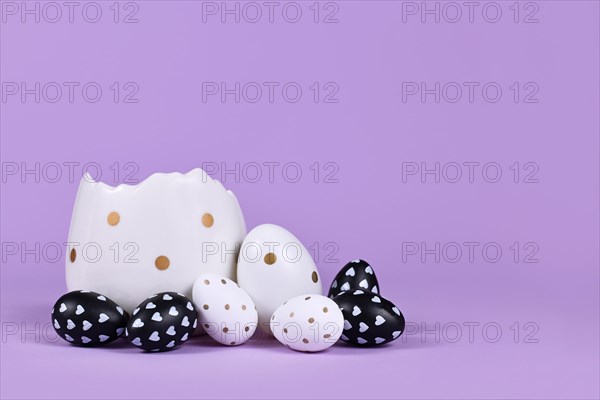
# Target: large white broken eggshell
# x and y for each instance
(131, 241)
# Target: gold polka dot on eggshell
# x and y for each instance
(208, 220)
(226, 329)
(270, 258)
(247, 329)
(315, 277)
(113, 218)
(73, 255)
(162, 263)
(206, 282)
(311, 320)
(327, 336)
(244, 307)
(305, 340)
(205, 306)
(291, 315)
(227, 306)
(325, 309)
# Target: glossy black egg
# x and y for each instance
(88, 318)
(369, 319)
(357, 274)
(162, 322)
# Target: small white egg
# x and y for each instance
(308, 323)
(226, 311)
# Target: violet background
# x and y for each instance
(367, 214)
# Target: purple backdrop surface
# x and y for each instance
(453, 146)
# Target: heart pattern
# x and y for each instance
(355, 274)
(162, 322)
(369, 319)
(74, 317)
(138, 323)
(86, 325)
(156, 317)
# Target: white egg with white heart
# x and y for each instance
(308, 323)
(274, 266)
(226, 312)
(162, 322)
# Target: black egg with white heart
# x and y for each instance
(162, 322)
(357, 274)
(88, 318)
(369, 319)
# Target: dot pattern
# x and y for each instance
(113, 218)
(227, 312)
(270, 258)
(162, 263)
(307, 323)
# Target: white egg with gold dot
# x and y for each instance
(226, 311)
(308, 323)
(273, 266)
(131, 241)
